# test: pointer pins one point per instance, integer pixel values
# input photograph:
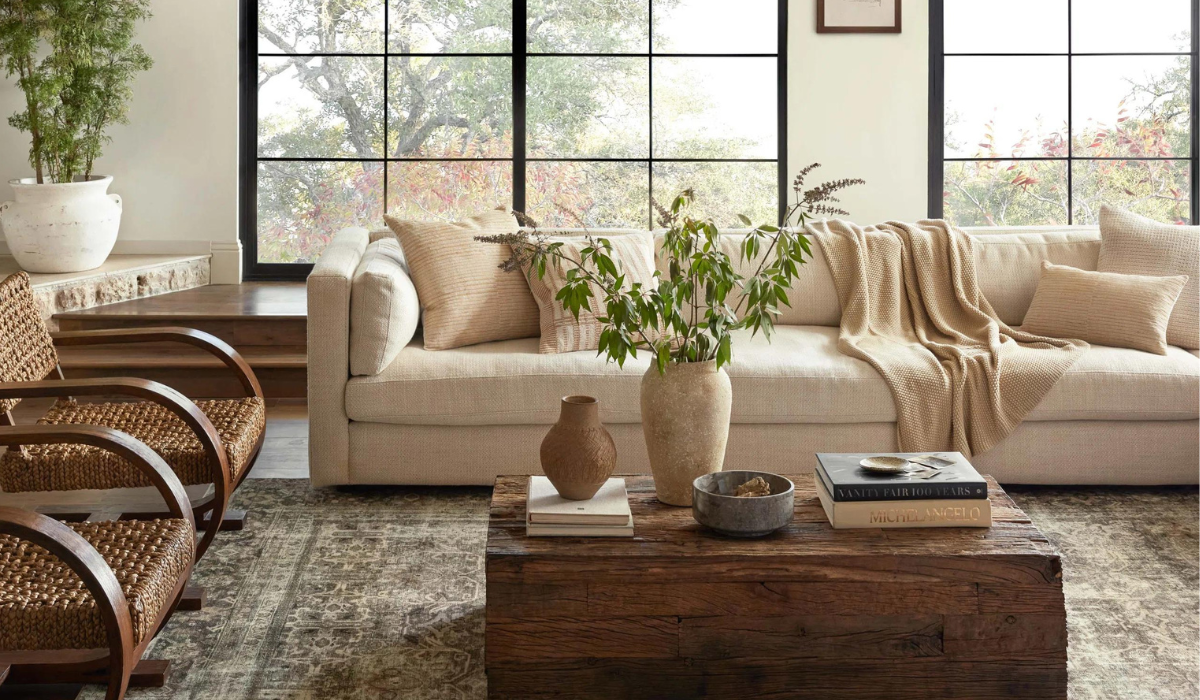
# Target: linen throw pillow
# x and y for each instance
(384, 310)
(466, 298)
(561, 331)
(1134, 245)
(1124, 311)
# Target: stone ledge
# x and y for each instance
(120, 278)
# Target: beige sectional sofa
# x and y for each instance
(464, 416)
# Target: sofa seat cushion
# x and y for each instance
(1109, 383)
(800, 377)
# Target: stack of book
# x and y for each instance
(606, 514)
(939, 489)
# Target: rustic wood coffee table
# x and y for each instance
(808, 612)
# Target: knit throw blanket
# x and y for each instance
(961, 378)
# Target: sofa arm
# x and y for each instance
(329, 356)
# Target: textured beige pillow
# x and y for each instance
(561, 331)
(1134, 245)
(466, 297)
(383, 308)
(1123, 311)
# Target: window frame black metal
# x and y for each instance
(248, 157)
(937, 113)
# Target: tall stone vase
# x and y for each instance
(578, 454)
(685, 418)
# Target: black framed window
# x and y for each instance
(1042, 110)
(575, 111)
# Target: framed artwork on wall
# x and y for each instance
(858, 16)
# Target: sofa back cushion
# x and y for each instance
(384, 309)
(1009, 263)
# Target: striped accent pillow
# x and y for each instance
(561, 331)
(465, 297)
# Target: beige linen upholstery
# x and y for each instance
(465, 297)
(384, 310)
(562, 331)
(1009, 264)
(799, 378)
(1117, 416)
(911, 306)
(329, 286)
(1072, 452)
(1134, 245)
(1127, 311)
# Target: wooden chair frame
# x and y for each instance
(211, 511)
(116, 664)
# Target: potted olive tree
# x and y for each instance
(74, 60)
(686, 319)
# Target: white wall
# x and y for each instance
(859, 105)
(175, 163)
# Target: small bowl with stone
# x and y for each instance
(743, 503)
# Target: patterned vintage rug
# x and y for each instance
(378, 594)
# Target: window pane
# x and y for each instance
(715, 108)
(1005, 106)
(588, 107)
(1158, 189)
(587, 26)
(1132, 106)
(320, 107)
(447, 190)
(420, 26)
(1005, 193)
(723, 190)
(1112, 26)
(449, 106)
(709, 26)
(572, 194)
(304, 26)
(1005, 26)
(302, 204)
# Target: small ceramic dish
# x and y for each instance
(715, 506)
(885, 465)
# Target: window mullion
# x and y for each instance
(519, 78)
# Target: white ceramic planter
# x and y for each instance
(61, 227)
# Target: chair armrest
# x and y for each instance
(134, 451)
(163, 395)
(82, 558)
(205, 341)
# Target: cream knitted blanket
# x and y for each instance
(961, 378)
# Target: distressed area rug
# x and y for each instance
(378, 594)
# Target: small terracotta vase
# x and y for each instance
(578, 454)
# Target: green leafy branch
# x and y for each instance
(688, 315)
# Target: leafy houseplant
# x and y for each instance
(686, 321)
(74, 60)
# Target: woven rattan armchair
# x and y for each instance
(80, 602)
(204, 442)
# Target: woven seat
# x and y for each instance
(60, 467)
(44, 605)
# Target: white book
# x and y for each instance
(552, 530)
(610, 505)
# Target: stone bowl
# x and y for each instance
(714, 505)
